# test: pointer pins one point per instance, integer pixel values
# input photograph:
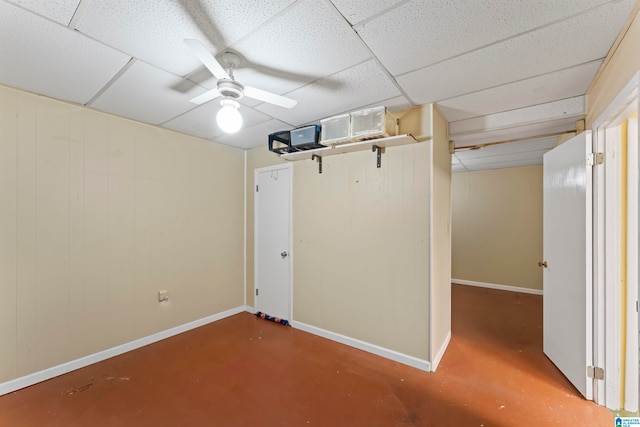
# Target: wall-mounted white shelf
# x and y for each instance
(391, 141)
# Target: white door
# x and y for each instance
(273, 241)
(567, 247)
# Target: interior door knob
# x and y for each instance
(542, 264)
(284, 254)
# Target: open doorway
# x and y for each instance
(614, 323)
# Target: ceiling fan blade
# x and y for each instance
(271, 98)
(205, 97)
(207, 58)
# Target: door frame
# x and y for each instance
(256, 284)
(607, 299)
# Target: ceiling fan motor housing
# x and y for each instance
(230, 88)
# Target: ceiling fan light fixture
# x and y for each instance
(229, 118)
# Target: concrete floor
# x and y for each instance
(245, 371)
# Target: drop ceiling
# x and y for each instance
(499, 70)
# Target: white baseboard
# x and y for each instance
(365, 346)
(498, 287)
(436, 360)
(250, 309)
(45, 374)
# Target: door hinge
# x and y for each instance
(256, 292)
(594, 159)
(595, 372)
(256, 188)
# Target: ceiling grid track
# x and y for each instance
(507, 77)
(374, 57)
(111, 81)
(78, 14)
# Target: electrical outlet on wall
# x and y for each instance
(163, 295)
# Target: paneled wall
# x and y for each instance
(362, 244)
(361, 247)
(97, 214)
(497, 226)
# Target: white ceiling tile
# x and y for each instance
(147, 94)
(149, 30)
(364, 84)
(443, 30)
(52, 60)
(570, 107)
(253, 136)
(393, 104)
(562, 84)
(232, 20)
(59, 10)
(356, 11)
(555, 47)
(201, 121)
(154, 30)
(310, 40)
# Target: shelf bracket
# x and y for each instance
(378, 149)
(314, 157)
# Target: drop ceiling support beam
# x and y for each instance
(506, 141)
(536, 114)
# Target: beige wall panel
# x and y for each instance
(224, 265)
(146, 288)
(622, 66)
(121, 258)
(441, 234)
(497, 226)
(77, 313)
(107, 211)
(361, 247)
(256, 158)
(8, 236)
(98, 312)
(209, 267)
(52, 233)
(96, 142)
(26, 233)
(122, 136)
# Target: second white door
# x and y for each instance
(567, 251)
(273, 241)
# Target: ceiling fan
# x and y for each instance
(228, 118)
